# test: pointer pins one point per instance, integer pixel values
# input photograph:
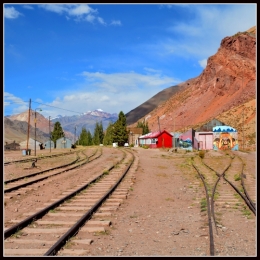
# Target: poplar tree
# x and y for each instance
(83, 137)
(108, 137)
(144, 126)
(120, 134)
(57, 133)
(98, 134)
(89, 138)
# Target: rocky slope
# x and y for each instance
(16, 127)
(225, 90)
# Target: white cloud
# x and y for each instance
(101, 20)
(28, 7)
(201, 37)
(90, 18)
(11, 13)
(119, 82)
(77, 11)
(123, 92)
(203, 63)
(116, 22)
(13, 104)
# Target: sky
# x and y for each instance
(69, 59)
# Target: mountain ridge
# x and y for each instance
(225, 86)
(225, 90)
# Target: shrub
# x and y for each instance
(201, 154)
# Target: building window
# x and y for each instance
(154, 140)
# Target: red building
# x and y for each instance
(156, 140)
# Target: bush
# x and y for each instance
(201, 154)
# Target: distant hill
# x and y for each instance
(16, 126)
(152, 103)
(15, 130)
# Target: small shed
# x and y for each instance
(12, 146)
(31, 144)
(186, 140)
(133, 134)
(159, 139)
(49, 144)
(63, 142)
(175, 139)
(204, 140)
(208, 127)
(225, 138)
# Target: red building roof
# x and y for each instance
(154, 134)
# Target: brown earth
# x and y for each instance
(162, 215)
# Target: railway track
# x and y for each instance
(53, 155)
(78, 212)
(220, 178)
(26, 180)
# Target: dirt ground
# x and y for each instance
(162, 215)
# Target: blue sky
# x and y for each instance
(73, 58)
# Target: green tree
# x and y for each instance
(120, 134)
(89, 138)
(108, 138)
(83, 137)
(98, 134)
(57, 133)
(145, 127)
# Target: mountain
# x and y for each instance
(16, 126)
(16, 130)
(225, 90)
(87, 120)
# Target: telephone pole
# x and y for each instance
(50, 131)
(29, 112)
(243, 103)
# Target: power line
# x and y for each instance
(24, 102)
(58, 107)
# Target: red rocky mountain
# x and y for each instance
(225, 90)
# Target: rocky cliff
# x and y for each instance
(225, 90)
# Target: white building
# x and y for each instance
(31, 144)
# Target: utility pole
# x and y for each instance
(75, 135)
(243, 103)
(173, 131)
(50, 131)
(159, 124)
(28, 131)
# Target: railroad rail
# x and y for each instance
(211, 176)
(27, 179)
(39, 157)
(78, 206)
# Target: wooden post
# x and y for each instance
(28, 131)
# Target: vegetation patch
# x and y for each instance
(162, 167)
(237, 177)
(17, 234)
(161, 175)
(106, 172)
(100, 233)
(202, 154)
(216, 196)
(169, 199)
(69, 244)
(203, 205)
(246, 212)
